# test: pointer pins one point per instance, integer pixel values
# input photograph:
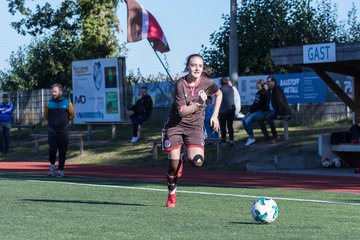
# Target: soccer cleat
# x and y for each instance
(52, 171)
(60, 174)
(171, 202)
(250, 141)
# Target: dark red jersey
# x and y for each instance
(186, 95)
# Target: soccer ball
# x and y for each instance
(264, 210)
(327, 163)
(338, 162)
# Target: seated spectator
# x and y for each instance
(276, 105)
(256, 111)
(139, 113)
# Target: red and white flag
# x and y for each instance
(142, 24)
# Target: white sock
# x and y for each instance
(173, 191)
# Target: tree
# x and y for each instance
(351, 30)
(266, 24)
(77, 30)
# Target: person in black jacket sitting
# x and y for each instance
(140, 112)
(277, 105)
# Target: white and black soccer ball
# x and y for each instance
(338, 162)
(264, 210)
(327, 162)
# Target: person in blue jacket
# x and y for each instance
(6, 111)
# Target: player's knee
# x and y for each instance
(197, 161)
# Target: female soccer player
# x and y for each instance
(186, 120)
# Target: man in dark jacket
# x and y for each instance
(277, 105)
(58, 111)
(140, 112)
(227, 111)
(6, 110)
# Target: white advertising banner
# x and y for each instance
(96, 95)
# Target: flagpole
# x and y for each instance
(161, 61)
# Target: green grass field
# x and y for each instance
(37, 207)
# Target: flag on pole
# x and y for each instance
(142, 24)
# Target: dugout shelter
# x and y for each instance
(342, 58)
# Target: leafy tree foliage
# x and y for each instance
(78, 29)
(350, 31)
(266, 24)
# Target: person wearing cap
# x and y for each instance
(6, 110)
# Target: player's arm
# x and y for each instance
(189, 109)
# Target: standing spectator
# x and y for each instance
(256, 111)
(276, 105)
(140, 112)
(237, 102)
(58, 111)
(6, 110)
(227, 111)
(186, 121)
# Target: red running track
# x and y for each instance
(199, 176)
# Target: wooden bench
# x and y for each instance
(113, 127)
(44, 136)
(348, 152)
(284, 119)
(345, 147)
(20, 126)
(157, 141)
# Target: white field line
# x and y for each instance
(192, 192)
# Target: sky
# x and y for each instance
(187, 25)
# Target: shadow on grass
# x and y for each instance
(244, 223)
(83, 202)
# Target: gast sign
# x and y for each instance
(319, 53)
